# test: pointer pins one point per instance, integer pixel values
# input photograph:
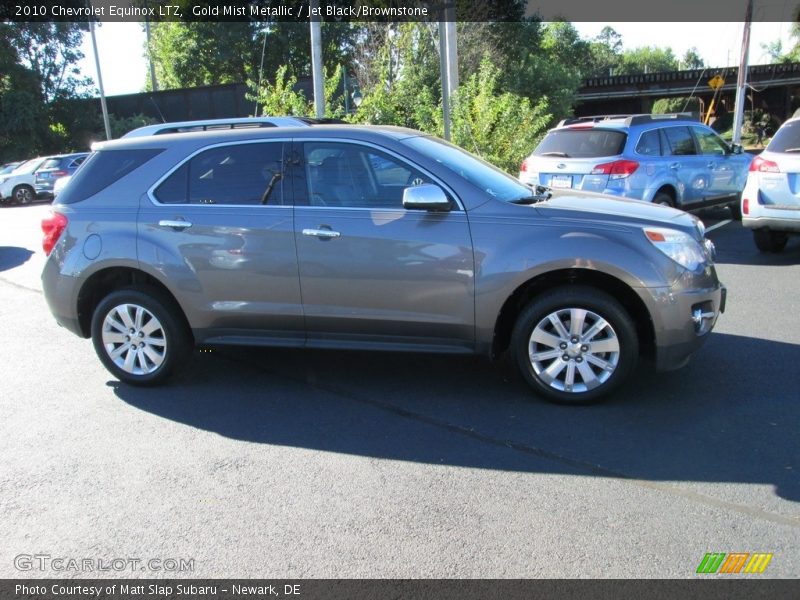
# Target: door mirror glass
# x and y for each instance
(426, 196)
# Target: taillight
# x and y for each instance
(762, 165)
(617, 169)
(523, 168)
(52, 226)
(58, 174)
(746, 206)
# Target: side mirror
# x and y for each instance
(426, 196)
(736, 149)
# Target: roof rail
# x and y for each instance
(217, 124)
(631, 119)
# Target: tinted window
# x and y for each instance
(680, 141)
(710, 142)
(649, 144)
(787, 139)
(582, 143)
(101, 170)
(354, 176)
(487, 178)
(51, 163)
(235, 174)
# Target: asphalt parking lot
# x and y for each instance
(289, 463)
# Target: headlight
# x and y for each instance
(679, 246)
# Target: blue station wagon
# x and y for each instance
(667, 159)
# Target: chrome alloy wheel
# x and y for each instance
(574, 350)
(134, 339)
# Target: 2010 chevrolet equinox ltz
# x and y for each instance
(368, 238)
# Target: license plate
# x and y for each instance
(561, 181)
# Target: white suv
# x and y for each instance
(18, 186)
(771, 197)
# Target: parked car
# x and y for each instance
(53, 169)
(666, 159)
(163, 242)
(17, 187)
(8, 167)
(771, 198)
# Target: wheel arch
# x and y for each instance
(617, 288)
(110, 279)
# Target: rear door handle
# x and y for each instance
(675, 166)
(711, 165)
(177, 225)
(325, 234)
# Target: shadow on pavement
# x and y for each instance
(12, 256)
(730, 416)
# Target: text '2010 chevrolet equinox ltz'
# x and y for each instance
(368, 238)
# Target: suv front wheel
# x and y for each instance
(574, 344)
(139, 335)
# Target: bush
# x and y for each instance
(664, 106)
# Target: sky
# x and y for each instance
(124, 69)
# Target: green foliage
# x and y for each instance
(279, 97)
(664, 106)
(692, 60)
(122, 125)
(647, 59)
(499, 126)
(190, 54)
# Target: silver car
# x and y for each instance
(368, 238)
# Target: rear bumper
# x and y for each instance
(776, 220)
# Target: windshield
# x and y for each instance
(479, 173)
(28, 166)
(582, 143)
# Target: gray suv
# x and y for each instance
(330, 236)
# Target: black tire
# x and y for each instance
(562, 301)
(770, 241)
(664, 199)
(171, 342)
(23, 194)
(736, 210)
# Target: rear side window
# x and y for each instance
(787, 139)
(102, 169)
(649, 144)
(681, 142)
(241, 174)
(582, 143)
(51, 163)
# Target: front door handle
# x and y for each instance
(177, 225)
(710, 165)
(675, 166)
(323, 234)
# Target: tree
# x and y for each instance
(647, 59)
(605, 52)
(692, 60)
(189, 54)
(51, 51)
(499, 126)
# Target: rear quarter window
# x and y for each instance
(582, 143)
(787, 138)
(102, 169)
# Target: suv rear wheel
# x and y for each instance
(770, 241)
(139, 335)
(575, 344)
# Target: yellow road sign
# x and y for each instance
(716, 82)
